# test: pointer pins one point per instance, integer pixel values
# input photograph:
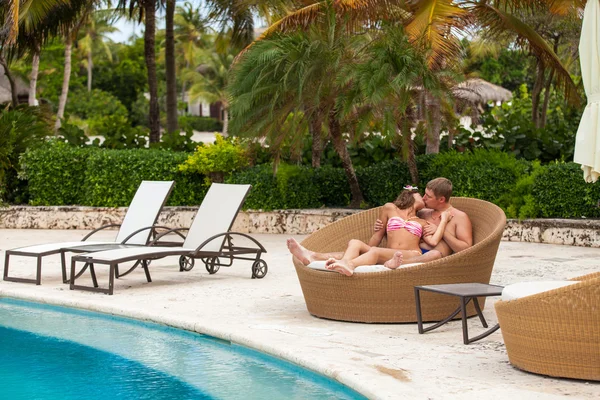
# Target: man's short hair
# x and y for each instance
(441, 187)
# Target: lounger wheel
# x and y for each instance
(212, 265)
(259, 269)
(186, 263)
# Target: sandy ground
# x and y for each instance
(384, 361)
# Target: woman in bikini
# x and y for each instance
(404, 231)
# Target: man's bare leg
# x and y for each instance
(307, 256)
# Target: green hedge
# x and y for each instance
(56, 174)
(483, 174)
(59, 174)
(559, 191)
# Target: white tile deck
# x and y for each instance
(381, 361)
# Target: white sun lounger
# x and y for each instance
(209, 238)
(135, 229)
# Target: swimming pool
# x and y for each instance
(49, 352)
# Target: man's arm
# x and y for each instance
(463, 236)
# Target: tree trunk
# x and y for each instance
(536, 92)
(90, 65)
(62, 100)
(435, 127)
(13, 85)
(170, 69)
(544, 111)
(35, 69)
(225, 122)
(408, 146)
(183, 85)
(150, 56)
(335, 130)
(315, 125)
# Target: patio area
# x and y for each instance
(382, 361)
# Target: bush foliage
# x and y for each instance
(59, 174)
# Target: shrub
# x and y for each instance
(381, 183)
(202, 124)
(21, 128)
(56, 174)
(112, 176)
(60, 174)
(486, 175)
(333, 186)
(117, 132)
(95, 104)
(177, 141)
(216, 160)
(291, 188)
(559, 191)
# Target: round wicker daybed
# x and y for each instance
(389, 296)
(557, 332)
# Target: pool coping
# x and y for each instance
(345, 378)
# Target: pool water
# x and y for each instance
(49, 352)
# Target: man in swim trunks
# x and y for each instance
(458, 234)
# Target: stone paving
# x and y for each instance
(383, 361)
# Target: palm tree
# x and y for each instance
(296, 73)
(386, 83)
(190, 36)
(17, 10)
(146, 10)
(435, 26)
(209, 80)
(170, 68)
(97, 25)
(29, 24)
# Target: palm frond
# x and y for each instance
(498, 21)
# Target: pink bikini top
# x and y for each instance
(396, 223)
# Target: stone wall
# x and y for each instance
(294, 222)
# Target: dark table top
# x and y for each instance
(464, 289)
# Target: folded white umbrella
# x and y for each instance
(587, 143)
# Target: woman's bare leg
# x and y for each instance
(307, 256)
(374, 255)
(401, 257)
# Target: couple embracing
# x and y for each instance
(419, 229)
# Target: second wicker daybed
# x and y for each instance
(389, 296)
(556, 332)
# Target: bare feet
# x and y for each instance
(331, 261)
(303, 254)
(395, 261)
(340, 266)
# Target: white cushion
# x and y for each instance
(320, 265)
(524, 289)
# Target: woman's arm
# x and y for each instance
(434, 239)
(380, 234)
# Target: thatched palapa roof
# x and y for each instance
(481, 91)
(5, 95)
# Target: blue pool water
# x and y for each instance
(49, 352)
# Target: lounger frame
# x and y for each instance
(211, 259)
(39, 256)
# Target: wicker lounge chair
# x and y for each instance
(136, 228)
(556, 332)
(389, 296)
(209, 239)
